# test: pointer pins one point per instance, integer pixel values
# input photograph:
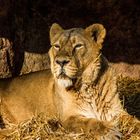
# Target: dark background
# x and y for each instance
(26, 23)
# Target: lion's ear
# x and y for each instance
(97, 32)
(55, 29)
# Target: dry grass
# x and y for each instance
(41, 127)
(129, 91)
(130, 127)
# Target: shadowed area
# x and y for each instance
(29, 27)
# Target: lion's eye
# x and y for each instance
(78, 46)
(56, 47)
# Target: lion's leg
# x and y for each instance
(99, 129)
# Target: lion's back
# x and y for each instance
(27, 95)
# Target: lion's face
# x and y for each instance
(72, 50)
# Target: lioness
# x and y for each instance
(80, 89)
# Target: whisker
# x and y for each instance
(71, 68)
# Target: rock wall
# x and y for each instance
(6, 58)
(26, 24)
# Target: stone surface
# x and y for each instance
(6, 58)
(34, 62)
(127, 70)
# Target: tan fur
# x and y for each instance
(81, 91)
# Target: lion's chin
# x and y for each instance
(65, 82)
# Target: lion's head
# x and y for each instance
(73, 50)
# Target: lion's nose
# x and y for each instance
(62, 62)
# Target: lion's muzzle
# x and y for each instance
(64, 70)
(61, 63)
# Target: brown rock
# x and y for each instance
(34, 62)
(6, 58)
(127, 70)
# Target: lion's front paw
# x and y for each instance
(102, 131)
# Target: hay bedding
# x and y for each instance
(41, 127)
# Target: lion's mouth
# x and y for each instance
(63, 79)
(62, 75)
